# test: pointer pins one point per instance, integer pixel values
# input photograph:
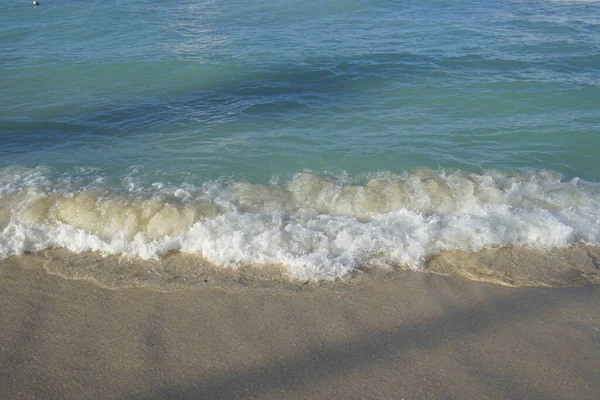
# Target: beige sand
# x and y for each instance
(404, 335)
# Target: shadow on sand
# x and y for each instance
(304, 375)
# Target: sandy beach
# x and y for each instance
(404, 335)
(299, 200)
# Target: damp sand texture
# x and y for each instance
(413, 336)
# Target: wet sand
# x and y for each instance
(403, 335)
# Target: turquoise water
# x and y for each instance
(283, 118)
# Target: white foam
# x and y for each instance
(318, 228)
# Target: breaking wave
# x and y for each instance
(319, 228)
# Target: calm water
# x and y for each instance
(323, 135)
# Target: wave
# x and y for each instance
(315, 227)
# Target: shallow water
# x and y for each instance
(326, 137)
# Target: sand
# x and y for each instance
(404, 335)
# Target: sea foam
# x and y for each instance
(316, 227)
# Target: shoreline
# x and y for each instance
(510, 266)
(407, 335)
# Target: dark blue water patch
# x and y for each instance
(25, 136)
(290, 87)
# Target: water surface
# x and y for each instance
(325, 136)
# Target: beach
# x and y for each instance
(402, 335)
(299, 199)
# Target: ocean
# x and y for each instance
(328, 138)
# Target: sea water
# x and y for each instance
(327, 137)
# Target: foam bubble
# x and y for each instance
(316, 227)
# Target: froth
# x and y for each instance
(316, 227)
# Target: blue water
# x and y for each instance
(154, 96)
